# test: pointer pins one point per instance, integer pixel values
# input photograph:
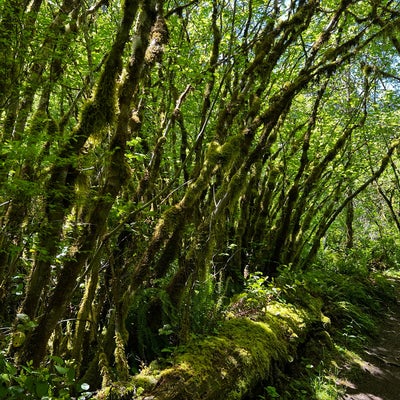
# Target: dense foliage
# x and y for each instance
(154, 153)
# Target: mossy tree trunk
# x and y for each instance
(246, 353)
(98, 113)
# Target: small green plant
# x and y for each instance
(259, 291)
(325, 389)
(272, 392)
(54, 381)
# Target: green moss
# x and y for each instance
(230, 150)
(120, 391)
(227, 366)
(92, 119)
(170, 219)
(144, 381)
(100, 111)
(213, 153)
(294, 318)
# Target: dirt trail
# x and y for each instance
(380, 379)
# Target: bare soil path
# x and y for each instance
(380, 379)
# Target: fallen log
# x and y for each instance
(247, 351)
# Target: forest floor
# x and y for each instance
(379, 377)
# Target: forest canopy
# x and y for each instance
(155, 153)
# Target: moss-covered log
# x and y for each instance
(247, 351)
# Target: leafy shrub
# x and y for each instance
(56, 380)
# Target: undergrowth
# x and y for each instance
(54, 381)
(354, 300)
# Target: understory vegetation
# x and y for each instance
(356, 300)
(349, 295)
(352, 299)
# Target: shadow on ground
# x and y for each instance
(380, 377)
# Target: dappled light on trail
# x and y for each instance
(380, 375)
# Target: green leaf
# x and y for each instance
(11, 369)
(30, 383)
(57, 360)
(42, 389)
(61, 370)
(71, 374)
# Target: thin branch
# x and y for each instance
(178, 10)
